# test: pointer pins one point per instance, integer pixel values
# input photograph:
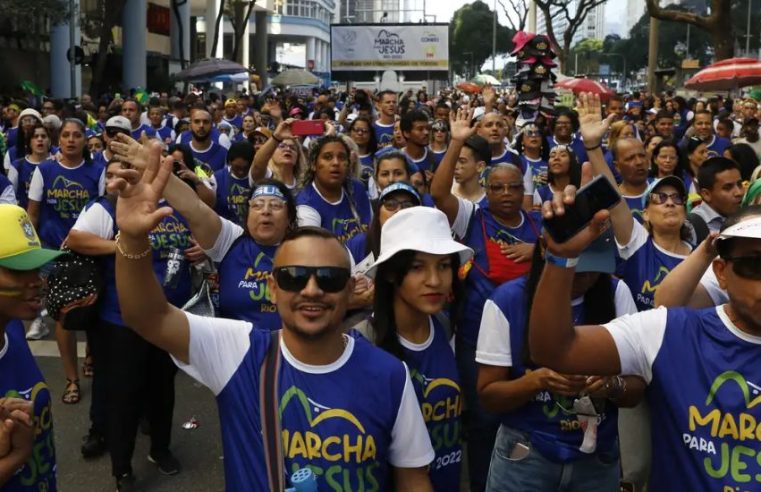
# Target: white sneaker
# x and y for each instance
(37, 330)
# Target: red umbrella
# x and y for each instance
(727, 75)
(585, 85)
(469, 87)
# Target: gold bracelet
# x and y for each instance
(127, 255)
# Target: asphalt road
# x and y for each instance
(198, 450)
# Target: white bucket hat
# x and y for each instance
(424, 229)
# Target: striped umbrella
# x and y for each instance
(577, 86)
(727, 75)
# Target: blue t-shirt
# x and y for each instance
(65, 193)
(635, 205)
(433, 371)
(171, 232)
(438, 156)
(99, 158)
(509, 157)
(215, 157)
(164, 133)
(645, 266)
(703, 381)
(11, 137)
(356, 246)
(539, 170)
(187, 136)
(483, 227)
(21, 378)
(717, 146)
(577, 146)
(555, 433)
(384, 134)
(25, 171)
(236, 121)
(232, 196)
(243, 289)
(425, 163)
(149, 132)
(339, 218)
(367, 167)
(338, 422)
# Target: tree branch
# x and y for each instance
(655, 10)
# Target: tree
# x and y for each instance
(99, 24)
(574, 12)
(469, 44)
(609, 43)
(239, 13)
(718, 24)
(517, 15)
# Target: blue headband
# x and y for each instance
(268, 190)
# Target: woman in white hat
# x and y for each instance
(415, 277)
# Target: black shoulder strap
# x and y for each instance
(270, 415)
(699, 226)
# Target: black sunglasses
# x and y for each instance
(295, 278)
(113, 132)
(748, 267)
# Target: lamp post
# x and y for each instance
(494, 40)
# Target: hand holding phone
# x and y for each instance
(566, 217)
(304, 128)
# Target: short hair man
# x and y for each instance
(721, 188)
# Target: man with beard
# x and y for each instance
(361, 424)
(205, 150)
(703, 124)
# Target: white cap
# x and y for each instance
(750, 228)
(30, 112)
(52, 120)
(424, 229)
(119, 122)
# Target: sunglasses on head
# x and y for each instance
(748, 267)
(295, 278)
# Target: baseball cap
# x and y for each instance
(263, 131)
(399, 186)
(231, 102)
(20, 248)
(120, 123)
(30, 112)
(424, 229)
(667, 180)
(52, 120)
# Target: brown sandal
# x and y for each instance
(87, 367)
(71, 394)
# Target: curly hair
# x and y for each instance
(313, 153)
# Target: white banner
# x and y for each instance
(402, 47)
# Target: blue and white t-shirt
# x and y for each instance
(634, 202)
(502, 342)
(349, 421)
(645, 266)
(187, 136)
(63, 192)
(703, 381)
(717, 145)
(21, 378)
(539, 170)
(215, 157)
(20, 175)
(138, 132)
(434, 375)
(232, 195)
(384, 134)
(339, 217)
(244, 269)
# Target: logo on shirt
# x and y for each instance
(171, 233)
(645, 296)
(67, 197)
(726, 433)
(441, 405)
(335, 445)
(345, 229)
(39, 470)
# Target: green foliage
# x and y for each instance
(28, 12)
(470, 31)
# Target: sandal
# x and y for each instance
(87, 367)
(71, 393)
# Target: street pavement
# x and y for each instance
(198, 450)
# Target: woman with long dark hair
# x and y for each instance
(539, 440)
(563, 170)
(37, 145)
(330, 198)
(667, 160)
(361, 132)
(415, 277)
(533, 153)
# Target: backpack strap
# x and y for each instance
(270, 415)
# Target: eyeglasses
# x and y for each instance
(392, 204)
(294, 278)
(532, 133)
(505, 188)
(360, 130)
(659, 198)
(285, 146)
(275, 205)
(440, 129)
(746, 266)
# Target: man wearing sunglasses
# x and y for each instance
(347, 409)
(114, 126)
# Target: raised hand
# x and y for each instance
(489, 94)
(137, 211)
(127, 149)
(459, 124)
(593, 127)
(283, 130)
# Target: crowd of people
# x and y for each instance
(382, 305)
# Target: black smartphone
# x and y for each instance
(594, 196)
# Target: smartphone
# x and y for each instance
(303, 128)
(598, 194)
